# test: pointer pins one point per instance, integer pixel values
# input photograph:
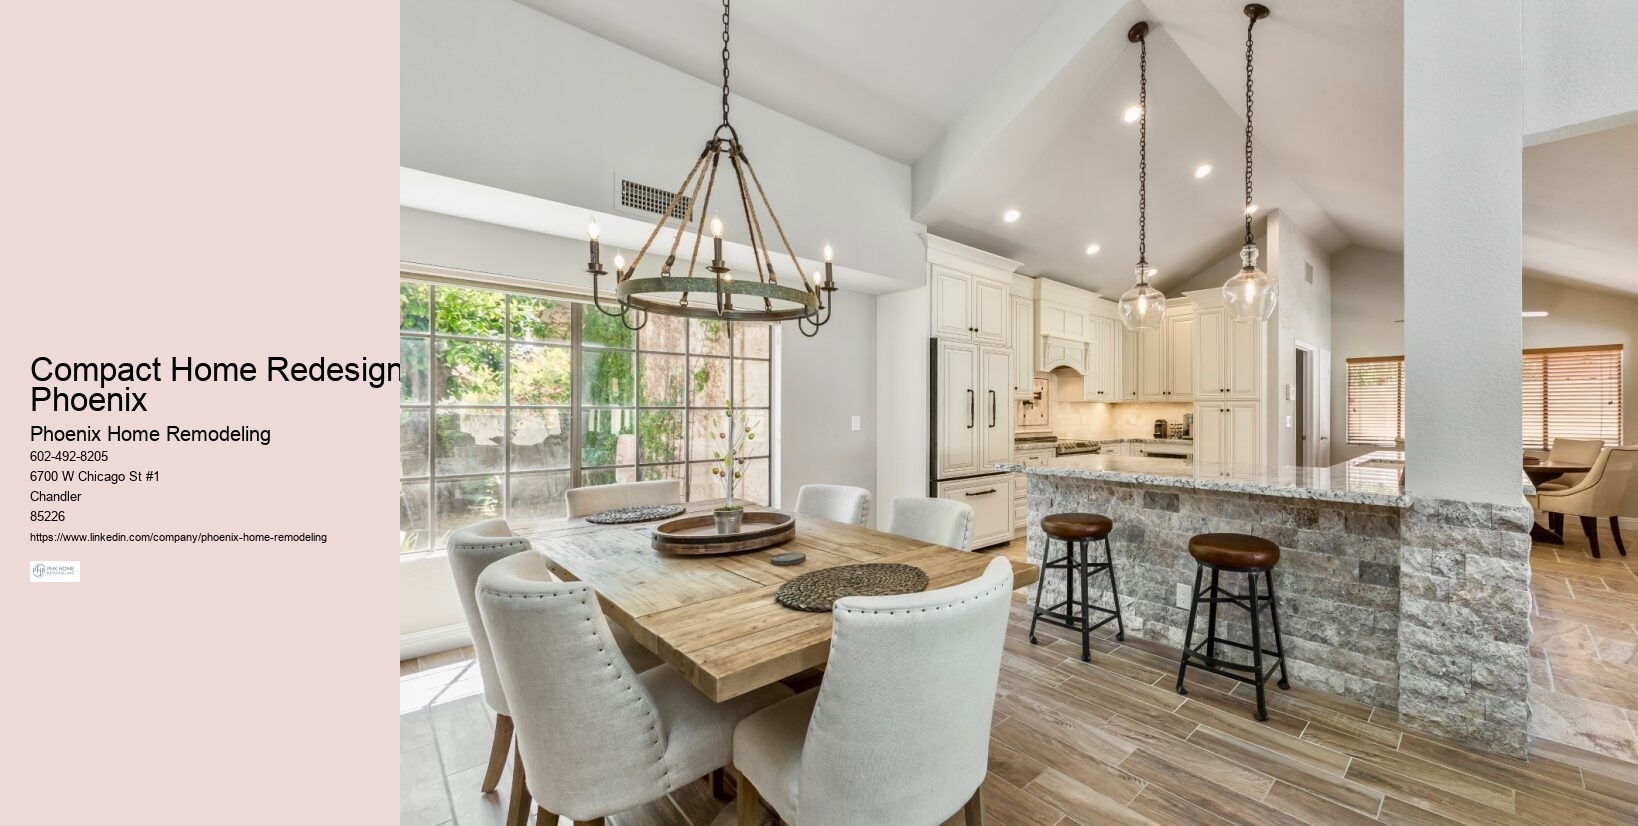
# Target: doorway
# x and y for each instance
(1303, 444)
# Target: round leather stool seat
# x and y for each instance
(1076, 526)
(1234, 550)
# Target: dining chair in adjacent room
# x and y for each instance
(595, 737)
(1600, 495)
(899, 731)
(471, 550)
(939, 521)
(1575, 452)
(840, 503)
(598, 498)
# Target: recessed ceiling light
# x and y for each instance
(1132, 114)
(1011, 215)
(1251, 209)
(1092, 249)
(1202, 170)
(1534, 314)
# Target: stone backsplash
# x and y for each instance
(1421, 609)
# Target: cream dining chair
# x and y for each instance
(598, 498)
(839, 503)
(595, 737)
(1600, 495)
(899, 730)
(939, 521)
(1573, 451)
(471, 550)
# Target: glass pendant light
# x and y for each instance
(1250, 295)
(1143, 307)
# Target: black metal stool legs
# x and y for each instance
(1040, 585)
(1274, 614)
(1253, 603)
(1188, 633)
(1256, 646)
(1075, 612)
(1114, 591)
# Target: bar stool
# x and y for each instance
(1077, 530)
(1235, 553)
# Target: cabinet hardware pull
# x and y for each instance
(978, 492)
(971, 410)
(992, 408)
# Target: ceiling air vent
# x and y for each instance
(636, 197)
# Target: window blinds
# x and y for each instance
(1376, 400)
(1571, 392)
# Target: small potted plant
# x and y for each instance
(730, 467)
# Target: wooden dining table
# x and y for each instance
(1546, 471)
(714, 618)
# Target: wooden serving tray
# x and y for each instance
(697, 535)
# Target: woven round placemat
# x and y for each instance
(819, 590)
(635, 513)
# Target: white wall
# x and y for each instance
(1580, 59)
(1303, 315)
(499, 94)
(824, 382)
(1369, 293)
(902, 363)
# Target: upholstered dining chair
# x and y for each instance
(471, 550)
(939, 521)
(598, 498)
(1598, 496)
(840, 503)
(1573, 451)
(595, 737)
(899, 731)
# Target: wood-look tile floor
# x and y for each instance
(1110, 742)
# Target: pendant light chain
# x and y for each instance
(725, 62)
(1143, 156)
(1249, 27)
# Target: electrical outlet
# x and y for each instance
(856, 424)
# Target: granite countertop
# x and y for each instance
(1032, 440)
(1361, 481)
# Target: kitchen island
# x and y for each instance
(1405, 603)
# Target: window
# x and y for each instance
(1572, 392)
(1376, 400)
(510, 398)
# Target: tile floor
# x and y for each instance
(1109, 742)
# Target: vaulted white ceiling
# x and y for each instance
(1017, 106)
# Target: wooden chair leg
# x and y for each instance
(975, 808)
(544, 818)
(598, 822)
(517, 811)
(748, 798)
(1615, 528)
(497, 753)
(1555, 523)
(719, 785)
(1589, 526)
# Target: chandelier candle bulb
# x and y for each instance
(592, 233)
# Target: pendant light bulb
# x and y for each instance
(1143, 307)
(1250, 296)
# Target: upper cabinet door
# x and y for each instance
(959, 419)
(1243, 359)
(1208, 353)
(952, 304)
(1179, 357)
(988, 309)
(1023, 347)
(1128, 364)
(1151, 383)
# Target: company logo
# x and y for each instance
(54, 571)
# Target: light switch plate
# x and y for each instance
(856, 423)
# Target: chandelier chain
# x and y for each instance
(1249, 238)
(725, 61)
(1143, 155)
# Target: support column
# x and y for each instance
(1463, 249)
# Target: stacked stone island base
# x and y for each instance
(1420, 606)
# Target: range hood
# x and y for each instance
(1057, 351)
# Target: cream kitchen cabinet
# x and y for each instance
(1228, 356)
(974, 419)
(1102, 376)
(1063, 352)
(968, 307)
(1165, 358)
(1227, 433)
(991, 499)
(1033, 455)
(1023, 346)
